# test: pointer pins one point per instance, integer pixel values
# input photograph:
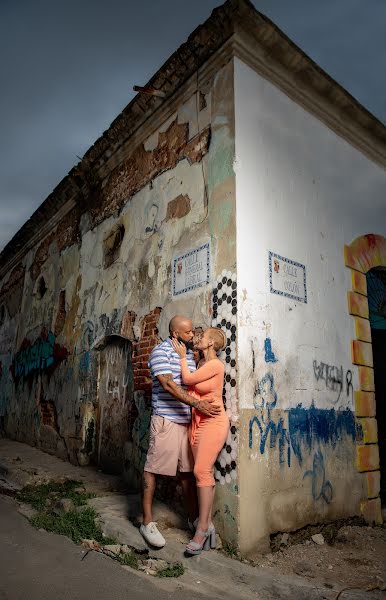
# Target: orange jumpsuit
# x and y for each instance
(208, 434)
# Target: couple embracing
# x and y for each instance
(188, 427)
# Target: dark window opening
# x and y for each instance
(42, 288)
(376, 293)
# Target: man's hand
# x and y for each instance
(178, 392)
(207, 408)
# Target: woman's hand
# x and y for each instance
(179, 347)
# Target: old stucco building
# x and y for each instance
(249, 193)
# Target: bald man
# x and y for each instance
(169, 448)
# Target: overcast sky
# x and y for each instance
(67, 68)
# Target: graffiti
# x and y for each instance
(140, 432)
(265, 395)
(331, 375)
(266, 398)
(327, 426)
(110, 325)
(43, 355)
(88, 335)
(298, 429)
(321, 489)
(269, 355)
(116, 384)
(349, 386)
(333, 378)
(275, 431)
(151, 216)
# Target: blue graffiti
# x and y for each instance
(265, 397)
(327, 426)
(320, 487)
(275, 431)
(85, 362)
(269, 354)
(306, 427)
(43, 354)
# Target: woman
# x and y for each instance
(208, 434)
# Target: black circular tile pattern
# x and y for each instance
(224, 315)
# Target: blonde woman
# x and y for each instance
(208, 435)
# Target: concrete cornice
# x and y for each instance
(233, 29)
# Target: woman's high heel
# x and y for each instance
(194, 548)
(211, 532)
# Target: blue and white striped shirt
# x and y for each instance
(163, 360)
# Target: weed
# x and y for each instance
(175, 570)
(129, 559)
(230, 550)
(75, 525)
(39, 496)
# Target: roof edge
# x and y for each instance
(277, 58)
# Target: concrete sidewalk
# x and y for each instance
(212, 573)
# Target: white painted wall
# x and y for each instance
(302, 192)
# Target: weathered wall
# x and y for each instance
(90, 301)
(302, 193)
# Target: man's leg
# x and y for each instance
(189, 490)
(149, 481)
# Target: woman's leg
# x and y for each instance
(205, 502)
(205, 454)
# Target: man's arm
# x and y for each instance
(178, 392)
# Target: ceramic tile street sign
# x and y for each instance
(191, 270)
(287, 278)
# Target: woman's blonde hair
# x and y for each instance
(219, 338)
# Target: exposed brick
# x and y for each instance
(127, 325)
(142, 166)
(178, 208)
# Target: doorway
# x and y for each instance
(376, 291)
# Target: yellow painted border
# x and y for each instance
(365, 253)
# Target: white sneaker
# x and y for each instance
(152, 535)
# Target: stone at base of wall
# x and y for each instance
(371, 511)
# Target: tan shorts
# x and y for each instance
(169, 448)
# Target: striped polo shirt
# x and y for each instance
(164, 359)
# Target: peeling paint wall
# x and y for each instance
(302, 194)
(90, 301)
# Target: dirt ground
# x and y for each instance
(355, 557)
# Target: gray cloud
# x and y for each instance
(68, 69)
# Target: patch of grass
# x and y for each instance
(129, 559)
(175, 570)
(75, 525)
(40, 496)
(230, 550)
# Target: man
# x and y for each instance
(169, 446)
